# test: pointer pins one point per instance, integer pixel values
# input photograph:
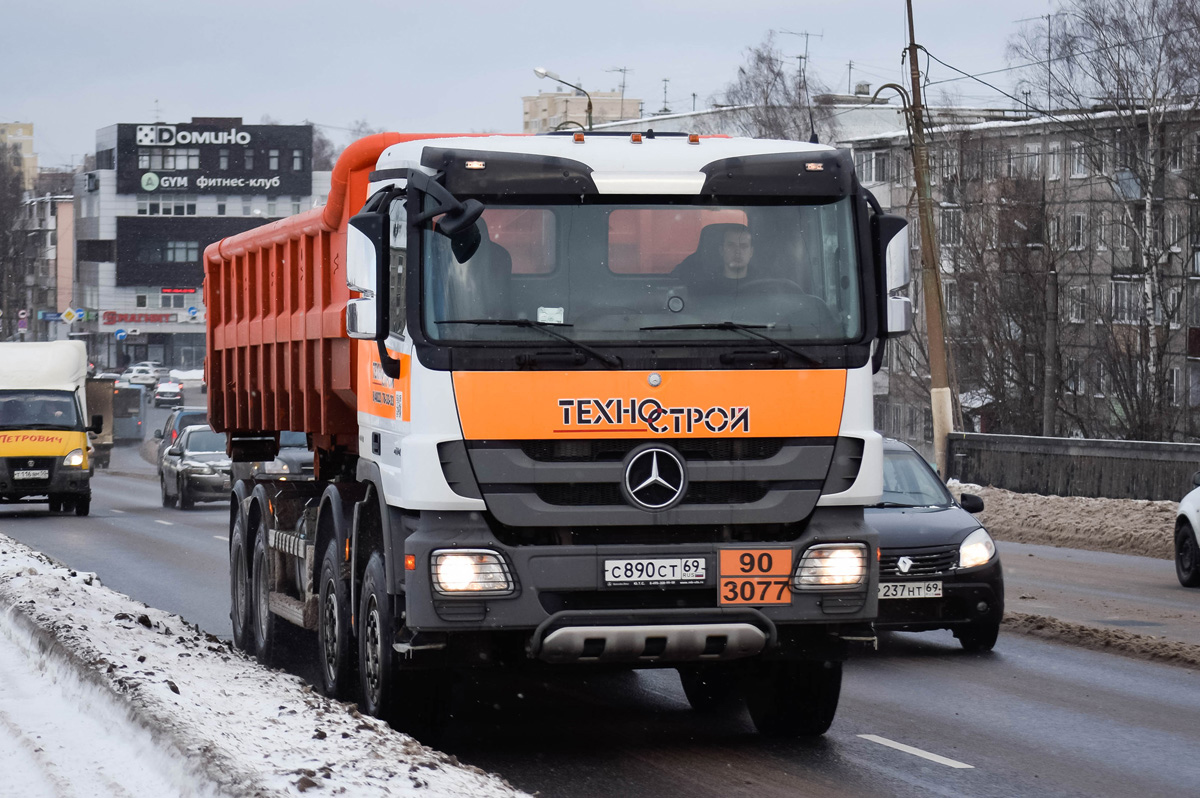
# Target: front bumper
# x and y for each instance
(208, 487)
(969, 596)
(567, 612)
(63, 481)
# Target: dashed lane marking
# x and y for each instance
(221, 537)
(908, 749)
(115, 510)
(164, 523)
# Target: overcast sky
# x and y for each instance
(72, 67)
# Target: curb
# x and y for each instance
(49, 647)
(1113, 640)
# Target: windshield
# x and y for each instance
(38, 410)
(291, 439)
(205, 440)
(606, 272)
(909, 481)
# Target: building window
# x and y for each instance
(1175, 234)
(221, 206)
(295, 205)
(1033, 160)
(1126, 302)
(1053, 230)
(951, 291)
(950, 231)
(181, 158)
(872, 167)
(249, 159)
(245, 206)
(1102, 231)
(297, 160)
(1079, 165)
(150, 158)
(1077, 231)
(223, 159)
(271, 206)
(1054, 161)
(166, 204)
(273, 159)
(183, 251)
(1074, 378)
(1077, 303)
(1100, 383)
(139, 301)
(1173, 386)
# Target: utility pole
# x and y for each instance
(624, 71)
(665, 109)
(931, 272)
(850, 66)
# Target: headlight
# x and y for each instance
(75, 458)
(275, 466)
(976, 549)
(197, 466)
(474, 571)
(832, 565)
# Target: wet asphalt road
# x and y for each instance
(1031, 719)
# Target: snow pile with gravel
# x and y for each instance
(240, 728)
(1120, 526)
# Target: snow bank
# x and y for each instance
(193, 375)
(1121, 526)
(247, 729)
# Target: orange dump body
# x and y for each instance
(278, 355)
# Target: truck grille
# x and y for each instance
(592, 495)
(611, 451)
(926, 561)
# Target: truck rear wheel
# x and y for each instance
(793, 699)
(239, 583)
(264, 625)
(56, 504)
(333, 627)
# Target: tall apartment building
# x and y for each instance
(20, 134)
(1070, 270)
(159, 195)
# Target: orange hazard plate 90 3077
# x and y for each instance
(755, 576)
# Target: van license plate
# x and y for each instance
(910, 590)
(32, 473)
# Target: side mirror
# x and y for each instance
(971, 503)
(175, 451)
(158, 434)
(896, 258)
(361, 321)
(97, 424)
(1196, 479)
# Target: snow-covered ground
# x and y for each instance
(191, 375)
(1119, 526)
(101, 695)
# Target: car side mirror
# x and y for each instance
(175, 451)
(158, 434)
(971, 503)
(1196, 479)
(97, 424)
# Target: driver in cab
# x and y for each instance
(736, 251)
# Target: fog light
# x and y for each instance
(477, 572)
(832, 565)
(981, 607)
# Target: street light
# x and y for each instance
(542, 72)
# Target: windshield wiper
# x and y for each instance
(612, 361)
(895, 504)
(748, 329)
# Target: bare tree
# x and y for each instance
(778, 100)
(1129, 74)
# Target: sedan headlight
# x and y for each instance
(275, 466)
(976, 549)
(197, 467)
(832, 565)
(471, 571)
(75, 458)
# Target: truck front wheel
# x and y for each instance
(793, 698)
(83, 505)
(710, 687)
(333, 627)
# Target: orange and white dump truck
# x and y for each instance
(573, 400)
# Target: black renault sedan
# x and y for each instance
(938, 567)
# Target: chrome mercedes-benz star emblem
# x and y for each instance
(904, 563)
(655, 478)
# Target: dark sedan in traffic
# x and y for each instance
(938, 567)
